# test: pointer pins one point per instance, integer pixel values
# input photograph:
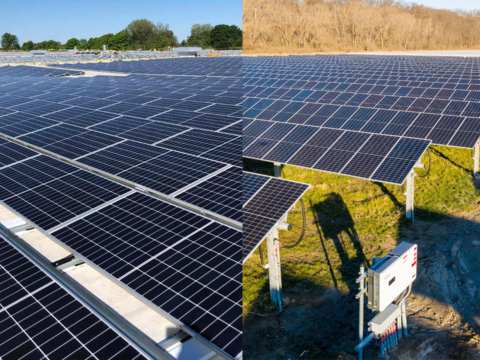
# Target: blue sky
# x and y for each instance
(40, 20)
(451, 4)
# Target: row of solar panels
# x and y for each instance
(221, 66)
(183, 263)
(131, 141)
(366, 121)
(40, 319)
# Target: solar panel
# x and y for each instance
(351, 90)
(221, 194)
(332, 150)
(49, 192)
(183, 263)
(266, 202)
(39, 319)
(91, 123)
(222, 66)
(11, 153)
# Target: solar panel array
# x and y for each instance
(213, 66)
(173, 135)
(22, 70)
(266, 201)
(170, 252)
(39, 319)
(358, 115)
(135, 128)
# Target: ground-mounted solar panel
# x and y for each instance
(91, 119)
(185, 264)
(345, 152)
(49, 192)
(39, 319)
(351, 91)
(266, 202)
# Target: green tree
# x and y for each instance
(165, 36)
(143, 32)
(82, 44)
(91, 43)
(200, 35)
(121, 41)
(71, 43)
(28, 45)
(10, 42)
(52, 45)
(225, 36)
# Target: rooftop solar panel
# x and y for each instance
(132, 232)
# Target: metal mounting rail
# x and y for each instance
(138, 339)
(222, 219)
(125, 287)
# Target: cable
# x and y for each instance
(428, 172)
(261, 255)
(429, 165)
(303, 229)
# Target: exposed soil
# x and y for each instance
(443, 311)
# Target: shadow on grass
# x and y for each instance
(445, 157)
(332, 220)
(320, 321)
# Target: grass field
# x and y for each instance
(351, 220)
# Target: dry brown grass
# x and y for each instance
(287, 27)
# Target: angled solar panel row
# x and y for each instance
(422, 98)
(97, 137)
(158, 250)
(39, 319)
(369, 156)
(266, 202)
(221, 66)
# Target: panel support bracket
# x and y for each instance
(476, 158)
(274, 268)
(17, 225)
(277, 168)
(68, 263)
(410, 195)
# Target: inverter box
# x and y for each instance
(391, 275)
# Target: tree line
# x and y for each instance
(140, 34)
(355, 25)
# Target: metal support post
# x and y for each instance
(410, 195)
(476, 158)
(399, 327)
(361, 287)
(404, 319)
(277, 168)
(274, 270)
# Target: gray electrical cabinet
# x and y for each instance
(391, 275)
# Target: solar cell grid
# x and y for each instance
(40, 320)
(351, 88)
(266, 202)
(183, 263)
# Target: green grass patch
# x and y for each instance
(351, 220)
